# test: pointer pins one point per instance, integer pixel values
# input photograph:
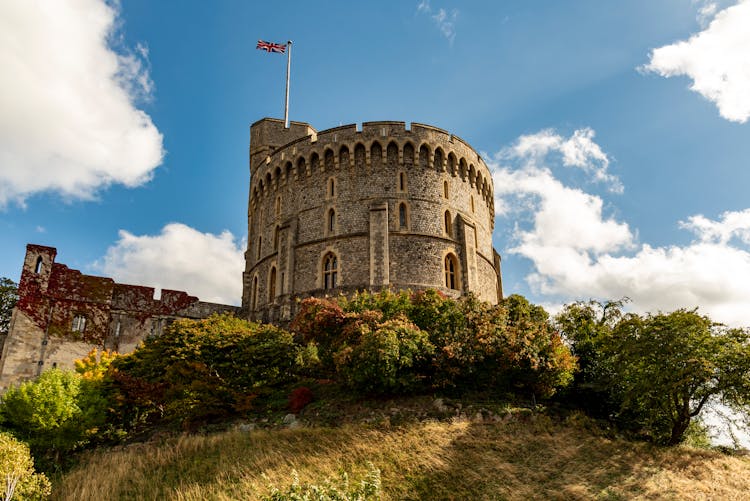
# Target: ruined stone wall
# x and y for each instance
(44, 331)
(376, 197)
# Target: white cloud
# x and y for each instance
(579, 252)
(731, 225)
(717, 60)
(180, 258)
(579, 150)
(68, 119)
(444, 20)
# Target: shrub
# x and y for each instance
(384, 357)
(57, 412)
(299, 398)
(398, 342)
(204, 370)
(17, 475)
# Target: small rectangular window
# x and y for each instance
(79, 323)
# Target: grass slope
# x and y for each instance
(525, 457)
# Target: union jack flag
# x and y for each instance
(271, 47)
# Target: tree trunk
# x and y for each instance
(678, 430)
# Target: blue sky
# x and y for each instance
(617, 131)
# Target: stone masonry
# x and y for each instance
(348, 208)
(63, 314)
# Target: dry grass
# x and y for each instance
(536, 459)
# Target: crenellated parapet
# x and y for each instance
(364, 147)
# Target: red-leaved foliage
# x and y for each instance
(299, 398)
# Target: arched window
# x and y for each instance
(38, 267)
(276, 238)
(314, 164)
(448, 224)
(438, 160)
(391, 154)
(402, 220)
(359, 156)
(344, 157)
(376, 154)
(328, 160)
(330, 271)
(445, 189)
(301, 167)
(331, 221)
(408, 155)
(451, 270)
(290, 170)
(272, 285)
(452, 164)
(424, 156)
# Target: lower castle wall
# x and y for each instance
(118, 317)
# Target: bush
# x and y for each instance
(205, 370)
(384, 357)
(58, 412)
(391, 343)
(299, 398)
(17, 475)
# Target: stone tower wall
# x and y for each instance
(296, 218)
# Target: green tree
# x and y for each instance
(57, 412)
(588, 327)
(672, 364)
(17, 476)
(655, 373)
(8, 299)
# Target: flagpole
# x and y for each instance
(288, 67)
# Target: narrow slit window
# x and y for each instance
(445, 189)
(272, 285)
(402, 181)
(331, 221)
(38, 267)
(402, 216)
(448, 224)
(260, 242)
(276, 238)
(332, 188)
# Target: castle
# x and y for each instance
(329, 213)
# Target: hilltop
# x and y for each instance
(508, 454)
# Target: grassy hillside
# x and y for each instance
(519, 456)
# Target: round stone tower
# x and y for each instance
(350, 208)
